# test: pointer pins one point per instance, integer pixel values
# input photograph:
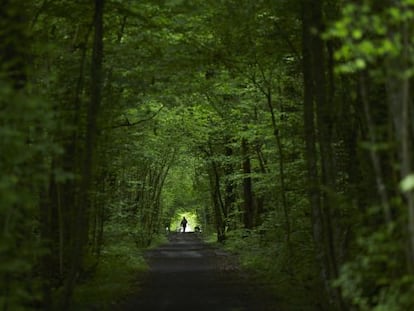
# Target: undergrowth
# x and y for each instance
(117, 276)
(287, 274)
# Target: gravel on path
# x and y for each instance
(188, 274)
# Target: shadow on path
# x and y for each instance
(187, 274)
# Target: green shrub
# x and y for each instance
(116, 277)
(375, 278)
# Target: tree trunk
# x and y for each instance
(249, 210)
(400, 103)
(311, 155)
(375, 158)
(280, 150)
(229, 195)
(325, 128)
(13, 43)
(315, 98)
(217, 202)
(83, 206)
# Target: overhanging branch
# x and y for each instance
(127, 123)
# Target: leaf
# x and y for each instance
(172, 3)
(407, 184)
(360, 63)
(357, 34)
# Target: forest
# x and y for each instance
(284, 129)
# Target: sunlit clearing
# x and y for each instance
(192, 221)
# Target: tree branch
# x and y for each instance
(129, 124)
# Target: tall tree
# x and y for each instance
(80, 217)
(318, 108)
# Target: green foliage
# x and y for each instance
(24, 160)
(180, 197)
(368, 35)
(192, 92)
(375, 279)
(119, 269)
(290, 276)
(374, 40)
(407, 184)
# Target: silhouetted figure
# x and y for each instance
(184, 223)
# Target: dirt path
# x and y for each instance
(187, 274)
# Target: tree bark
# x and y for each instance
(280, 150)
(311, 155)
(325, 128)
(375, 158)
(249, 210)
(315, 100)
(83, 207)
(13, 42)
(229, 195)
(400, 103)
(217, 201)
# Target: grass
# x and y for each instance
(117, 276)
(289, 279)
(210, 238)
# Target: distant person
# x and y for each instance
(184, 223)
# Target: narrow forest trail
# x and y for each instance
(188, 274)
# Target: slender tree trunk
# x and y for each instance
(280, 150)
(401, 103)
(58, 210)
(310, 145)
(315, 98)
(325, 127)
(406, 139)
(249, 210)
(217, 202)
(375, 158)
(230, 195)
(83, 208)
(216, 197)
(13, 42)
(154, 204)
(406, 166)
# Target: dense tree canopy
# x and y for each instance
(284, 128)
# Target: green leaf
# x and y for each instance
(407, 184)
(367, 47)
(357, 34)
(173, 3)
(360, 63)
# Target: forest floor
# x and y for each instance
(189, 274)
